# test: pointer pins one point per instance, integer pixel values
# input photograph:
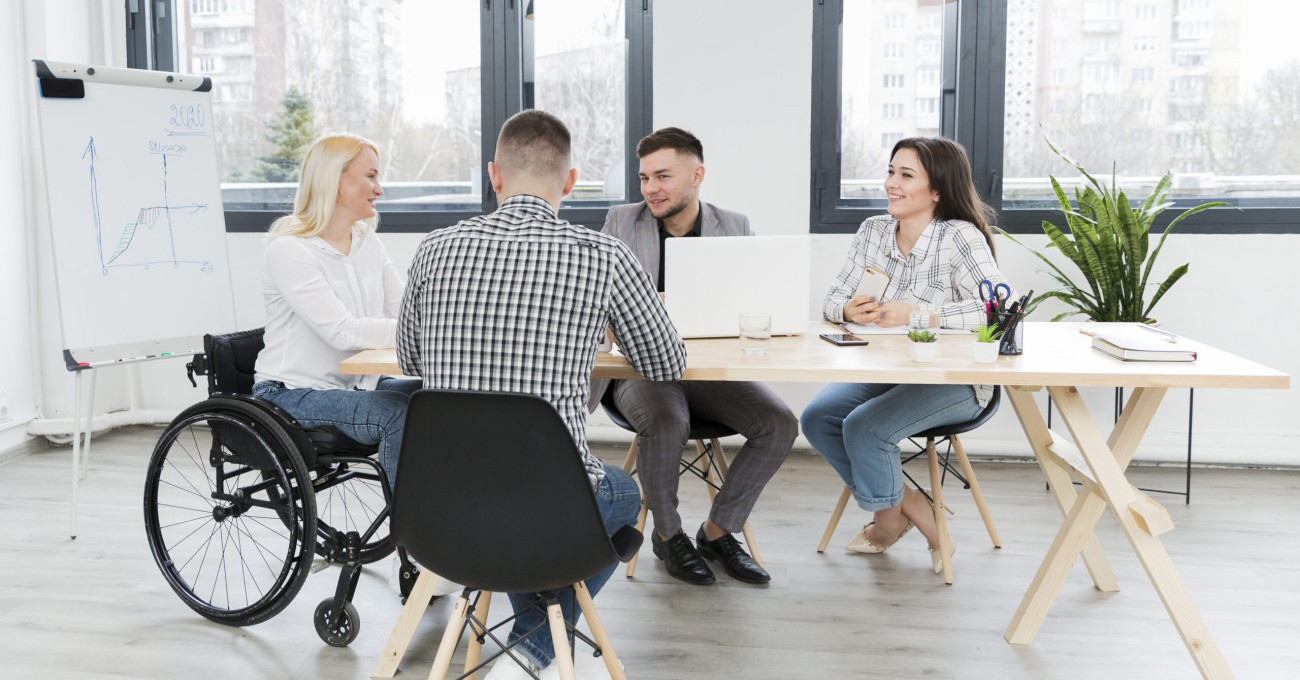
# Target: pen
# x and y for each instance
(1169, 337)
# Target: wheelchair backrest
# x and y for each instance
(231, 358)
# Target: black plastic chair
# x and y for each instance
(492, 494)
(939, 468)
(709, 464)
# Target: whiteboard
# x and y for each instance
(136, 218)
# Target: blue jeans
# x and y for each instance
(368, 416)
(857, 427)
(619, 501)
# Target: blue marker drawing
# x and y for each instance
(94, 201)
(147, 217)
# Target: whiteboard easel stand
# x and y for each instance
(80, 458)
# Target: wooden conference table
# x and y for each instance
(1057, 357)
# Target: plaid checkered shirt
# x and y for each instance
(518, 301)
(944, 269)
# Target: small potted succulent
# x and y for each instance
(986, 344)
(924, 345)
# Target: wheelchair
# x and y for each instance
(239, 498)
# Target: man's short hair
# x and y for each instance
(673, 138)
(535, 143)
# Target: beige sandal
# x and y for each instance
(862, 544)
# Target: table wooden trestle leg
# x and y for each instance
(1142, 520)
(1057, 474)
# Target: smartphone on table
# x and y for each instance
(844, 339)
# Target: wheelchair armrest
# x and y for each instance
(627, 541)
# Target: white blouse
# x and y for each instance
(323, 306)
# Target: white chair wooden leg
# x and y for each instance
(640, 526)
(475, 647)
(450, 637)
(836, 514)
(975, 491)
(407, 622)
(588, 607)
(940, 518)
(560, 641)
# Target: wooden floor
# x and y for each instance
(97, 607)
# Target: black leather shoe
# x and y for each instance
(681, 559)
(735, 561)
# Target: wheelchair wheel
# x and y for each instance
(351, 495)
(341, 632)
(227, 518)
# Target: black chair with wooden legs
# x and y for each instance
(709, 464)
(940, 467)
(498, 509)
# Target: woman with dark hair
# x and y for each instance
(936, 246)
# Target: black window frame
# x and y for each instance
(973, 74)
(151, 44)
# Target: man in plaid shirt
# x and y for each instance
(518, 301)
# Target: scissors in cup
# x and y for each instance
(994, 295)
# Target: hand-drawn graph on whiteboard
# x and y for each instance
(150, 235)
(135, 206)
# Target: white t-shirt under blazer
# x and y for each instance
(323, 306)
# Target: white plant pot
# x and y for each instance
(985, 352)
(923, 351)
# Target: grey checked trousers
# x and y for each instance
(660, 413)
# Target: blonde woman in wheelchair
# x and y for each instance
(330, 291)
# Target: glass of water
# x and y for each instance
(755, 332)
(924, 317)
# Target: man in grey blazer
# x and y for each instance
(671, 173)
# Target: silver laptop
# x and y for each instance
(709, 282)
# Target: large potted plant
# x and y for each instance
(1109, 241)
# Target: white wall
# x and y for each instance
(737, 74)
(17, 380)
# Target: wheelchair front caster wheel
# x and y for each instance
(344, 630)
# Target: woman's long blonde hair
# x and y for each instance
(318, 185)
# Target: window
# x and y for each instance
(1100, 45)
(893, 51)
(1212, 109)
(927, 106)
(893, 81)
(892, 111)
(889, 139)
(1193, 30)
(929, 47)
(410, 76)
(894, 22)
(928, 78)
(1144, 44)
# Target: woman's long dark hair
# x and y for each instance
(949, 169)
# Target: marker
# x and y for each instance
(1169, 337)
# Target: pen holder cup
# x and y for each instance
(1013, 334)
